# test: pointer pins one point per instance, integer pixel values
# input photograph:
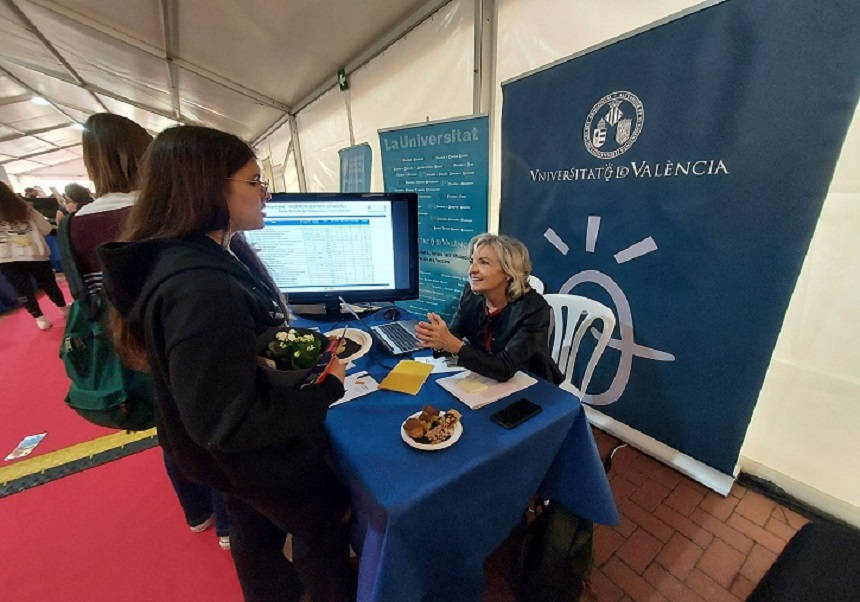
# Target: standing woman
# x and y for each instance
(113, 150)
(25, 255)
(193, 297)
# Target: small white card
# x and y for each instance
(440, 364)
(26, 446)
(473, 383)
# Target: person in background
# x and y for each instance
(34, 192)
(501, 325)
(73, 198)
(78, 194)
(192, 297)
(25, 255)
(62, 206)
(113, 150)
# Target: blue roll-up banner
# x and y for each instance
(446, 163)
(355, 162)
(676, 176)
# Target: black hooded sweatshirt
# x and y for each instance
(221, 420)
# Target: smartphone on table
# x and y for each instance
(515, 413)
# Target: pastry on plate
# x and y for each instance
(415, 428)
(431, 425)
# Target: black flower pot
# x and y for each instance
(286, 378)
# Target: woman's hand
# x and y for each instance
(434, 334)
(337, 369)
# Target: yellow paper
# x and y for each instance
(406, 377)
(471, 385)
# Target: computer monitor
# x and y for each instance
(323, 246)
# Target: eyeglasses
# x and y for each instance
(261, 183)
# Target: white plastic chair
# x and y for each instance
(536, 283)
(568, 331)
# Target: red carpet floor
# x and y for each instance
(33, 384)
(114, 532)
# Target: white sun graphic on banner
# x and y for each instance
(626, 345)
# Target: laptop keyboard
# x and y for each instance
(400, 335)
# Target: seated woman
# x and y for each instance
(501, 324)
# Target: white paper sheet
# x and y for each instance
(356, 385)
(476, 391)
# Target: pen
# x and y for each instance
(332, 348)
(327, 369)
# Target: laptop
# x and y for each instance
(398, 337)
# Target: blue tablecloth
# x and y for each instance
(427, 520)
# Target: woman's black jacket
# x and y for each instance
(520, 336)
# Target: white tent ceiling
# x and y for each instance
(238, 65)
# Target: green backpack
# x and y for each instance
(103, 390)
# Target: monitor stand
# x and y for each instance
(330, 310)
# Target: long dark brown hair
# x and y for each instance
(13, 209)
(113, 148)
(184, 193)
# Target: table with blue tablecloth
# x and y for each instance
(428, 519)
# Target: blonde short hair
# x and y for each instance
(514, 260)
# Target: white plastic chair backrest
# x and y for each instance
(568, 332)
(536, 283)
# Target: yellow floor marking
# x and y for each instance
(59, 457)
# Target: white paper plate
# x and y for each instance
(359, 336)
(455, 436)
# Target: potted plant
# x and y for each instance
(287, 354)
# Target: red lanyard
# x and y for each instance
(489, 315)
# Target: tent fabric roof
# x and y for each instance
(236, 66)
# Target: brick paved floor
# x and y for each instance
(677, 539)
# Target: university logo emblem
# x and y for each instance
(613, 124)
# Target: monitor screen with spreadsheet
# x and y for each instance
(321, 246)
